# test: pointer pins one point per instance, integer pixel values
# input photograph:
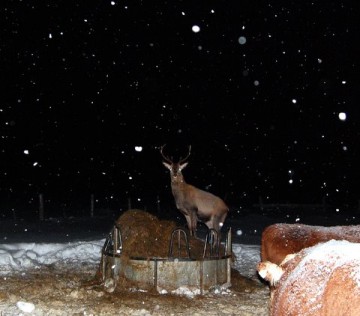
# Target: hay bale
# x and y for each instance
(144, 235)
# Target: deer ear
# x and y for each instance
(183, 165)
(167, 165)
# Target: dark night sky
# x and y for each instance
(87, 81)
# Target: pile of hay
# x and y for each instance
(144, 235)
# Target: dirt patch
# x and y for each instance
(62, 292)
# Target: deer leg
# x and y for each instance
(193, 224)
(188, 221)
(222, 218)
(214, 224)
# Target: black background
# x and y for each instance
(87, 81)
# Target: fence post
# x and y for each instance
(158, 204)
(261, 203)
(41, 207)
(92, 205)
(129, 203)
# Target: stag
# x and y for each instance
(195, 204)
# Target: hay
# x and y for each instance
(144, 235)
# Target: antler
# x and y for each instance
(162, 154)
(188, 155)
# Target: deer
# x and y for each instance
(195, 204)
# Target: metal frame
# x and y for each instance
(214, 269)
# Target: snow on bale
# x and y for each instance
(320, 280)
(279, 240)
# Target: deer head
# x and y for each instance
(175, 167)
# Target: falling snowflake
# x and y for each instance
(196, 28)
(242, 40)
(342, 116)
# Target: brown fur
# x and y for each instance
(279, 240)
(321, 280)
(341, 296)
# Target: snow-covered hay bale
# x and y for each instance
(320, 280)
(279, 240)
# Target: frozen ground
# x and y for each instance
(46, 269)
(50, 279)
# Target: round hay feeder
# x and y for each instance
(167, 274)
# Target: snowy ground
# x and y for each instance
(22, 257)
(47, 267)
(51, 279)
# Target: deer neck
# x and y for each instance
(178, 188)
(177, 182)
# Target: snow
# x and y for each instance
(195, 29)
(342, 116)
(340, 249)
(23, 256)
(25, 307)
(58, 269)
(242, 40)
(247, 257)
